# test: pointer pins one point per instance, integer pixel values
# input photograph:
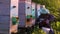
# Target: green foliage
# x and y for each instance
(55, 26)
(37, 30)
(52, 5)
(58, 26)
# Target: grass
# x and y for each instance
(42, 32)
(55, 26)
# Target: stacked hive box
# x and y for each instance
(38, 10)
(24, 10)
(33, 9)
(13, 15)
(4, 16)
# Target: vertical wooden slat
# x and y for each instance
(4, 16)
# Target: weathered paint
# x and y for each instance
(38, 10)
(28, 11)
(13, 13)
(23, 11)
(4, 16)
(33, 9)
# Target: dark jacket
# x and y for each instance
(46, 20)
